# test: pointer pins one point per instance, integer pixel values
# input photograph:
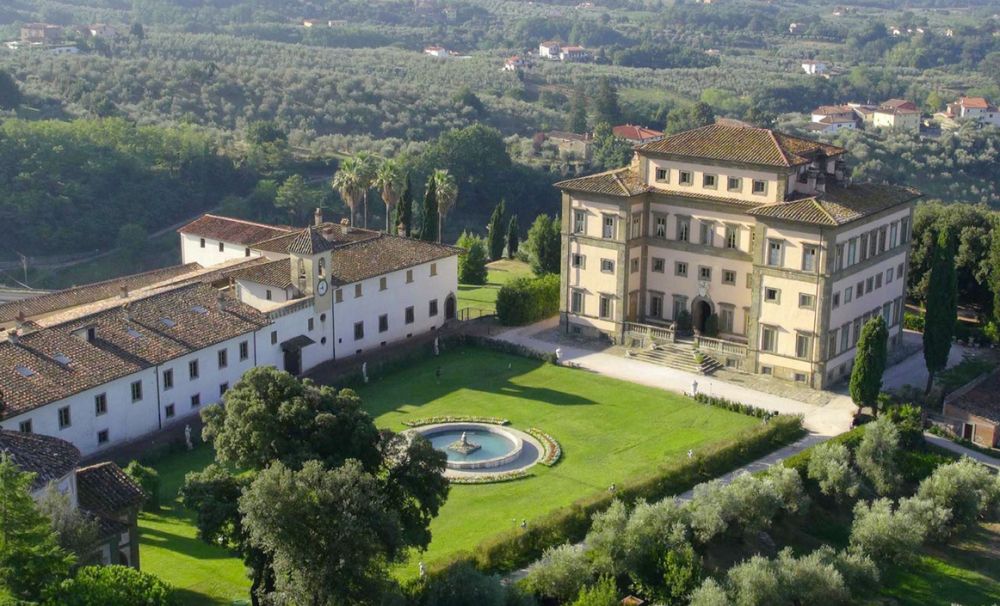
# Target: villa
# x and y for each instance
(112, 362)
(757, 239)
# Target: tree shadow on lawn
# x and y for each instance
(189, 597)
(189, 546)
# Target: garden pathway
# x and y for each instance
(947, 444)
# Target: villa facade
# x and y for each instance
(755, 232)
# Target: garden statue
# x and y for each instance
(690, 453)
(364, 371)
(558, 354)
(187, 437)
(694, 388)
(437, 350)
(422, 569)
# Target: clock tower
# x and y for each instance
(310, 257)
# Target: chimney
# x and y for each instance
(12, 336)
(20, 320)
(124, 291)
(318, 216)
(346, 224)
(220, 302)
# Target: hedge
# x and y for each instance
(515, 548)
(526, 300)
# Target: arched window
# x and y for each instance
(321, 268)
(302, 269)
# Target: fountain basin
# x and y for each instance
(497, 445)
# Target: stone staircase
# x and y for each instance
(679, 355)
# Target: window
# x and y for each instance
(836, 300)
(704, 273)
(224, 354)
(608, 226)
(709, 181)
(102, 436)
(845, 337)
(772, 295)
(607, 266)
(759, 187)
(864, 246)
(728, 277)
(409, 276)
(686, 178)
(244, 350)
(873, 243)
(840, 257)
(193, 364)
(707, 234)
(734, 184)
(766, 370)
(893, 234)
(878, 280)
(246, 251)
(168, 379)
(196, 400)
(636, 225)
(268, 295)
(383, 283)
(904, 231)
(656, 306)
(889, 273)
(357, 291)
(169, 411)
(831, 344)
(274, 341)
(223, 388)
(136, 391)
(434, 269)
(881, 239)
(887, 313)
(857, 332)
(683, 229)
(859, 290)
(659, 265)
(64, 420)
(578, 261)
(768, 338)
(100, 404)
(870, 284)
(775, 248)
(579, 222)
(661, 227)
(432, 308)
(359, 331)
(809, 258)
(727, 318)
(633, 265)
(222, 247)
(681, 269)
(807, 300)
(800, 377)
(848, 294)
(732, 236)
(852, 251)
(409, 315)
(203, 242)
(604, 310)
(576, 302)
(662, 175)
(383, 323)
(803, 343)
(899, 271)
(338, 295)
(310, 324)
(25, 426)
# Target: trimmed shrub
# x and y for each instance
(562, 573)
(966, 488)
(472, 262)
(111, 586)
(602, 593)
(463, 585)
(830, 466)
(877, 456)
(526, 300)
(149, 480)
(886, 536)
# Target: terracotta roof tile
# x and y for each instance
(309, 241)
(105, 490)
(274, 273)
(622, 182)
(839, 205)
(233, 230)
(758, 146)
(47, 457)
(635, 133)
(374, 257)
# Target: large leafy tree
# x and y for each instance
(495, 237)
(446, 191)
(609, 151)
(577, 121)
(296, 198)
(429, 217)
(348, 182)
(869, 363)
(389, 181)
(544, 244)
(30, 556)
(10, 94)
(472, 262)
(942, 307)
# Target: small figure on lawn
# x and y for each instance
(187, 437)
(612, 488)
(364, 371)
(558, 354)
(437, 350)
(422, 569)
(694, 388)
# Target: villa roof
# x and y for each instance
(974, 102)
(275, 273)
(382, 255)
(622, 182)
(228, 229)
(105, 490)
(47, 457)
(838, 205)
(635, 133)
(829, 110)
(309, 241)
(758, 146)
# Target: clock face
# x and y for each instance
(321, 287)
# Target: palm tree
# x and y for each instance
(389, 182)
(347, 181)
(367, 167)
(447, 193)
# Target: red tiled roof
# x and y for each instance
(758, 146)
(829, 110)
(47, 457)
(974, 102)
(635, 133)
(233, 230)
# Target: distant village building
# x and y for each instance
(898, 114)
(813, 67)
(311, 22)
(573, 53)
(636, 135)
(43, 33)
(549, 49)
(512, 64)
(101, 492)
(972, 108)
(436, 51)
(793, 28)
(831, 118)
(572, 145)
(99, 30)
(112, 362)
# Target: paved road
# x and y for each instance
(947, 444)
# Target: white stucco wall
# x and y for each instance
(193, 252)
(721, 190)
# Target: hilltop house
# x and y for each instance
(753, 232)
(436, 51)
(549, 49)
(102, 492)
(813, 67)
(899, 114)
(111, 362)
(636, 135)
(830, 118)
(41, 33)
(972, 108)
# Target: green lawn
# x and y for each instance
(484, 297)
(609, 430)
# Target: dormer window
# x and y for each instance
(709, 181)
(662, 175)
(734, 184)
(168, 322)
(759, 187)
(686, 177)
(199, 309)
(61, 358)
(302, 269)
(24, 371)
(133, 333)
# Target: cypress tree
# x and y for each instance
(994, 265)
(606, 107)
(496, 236)
(428, 227)
(577, 122)
(942, 307)
(512, 237)
(404, 210)
(869, 363)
